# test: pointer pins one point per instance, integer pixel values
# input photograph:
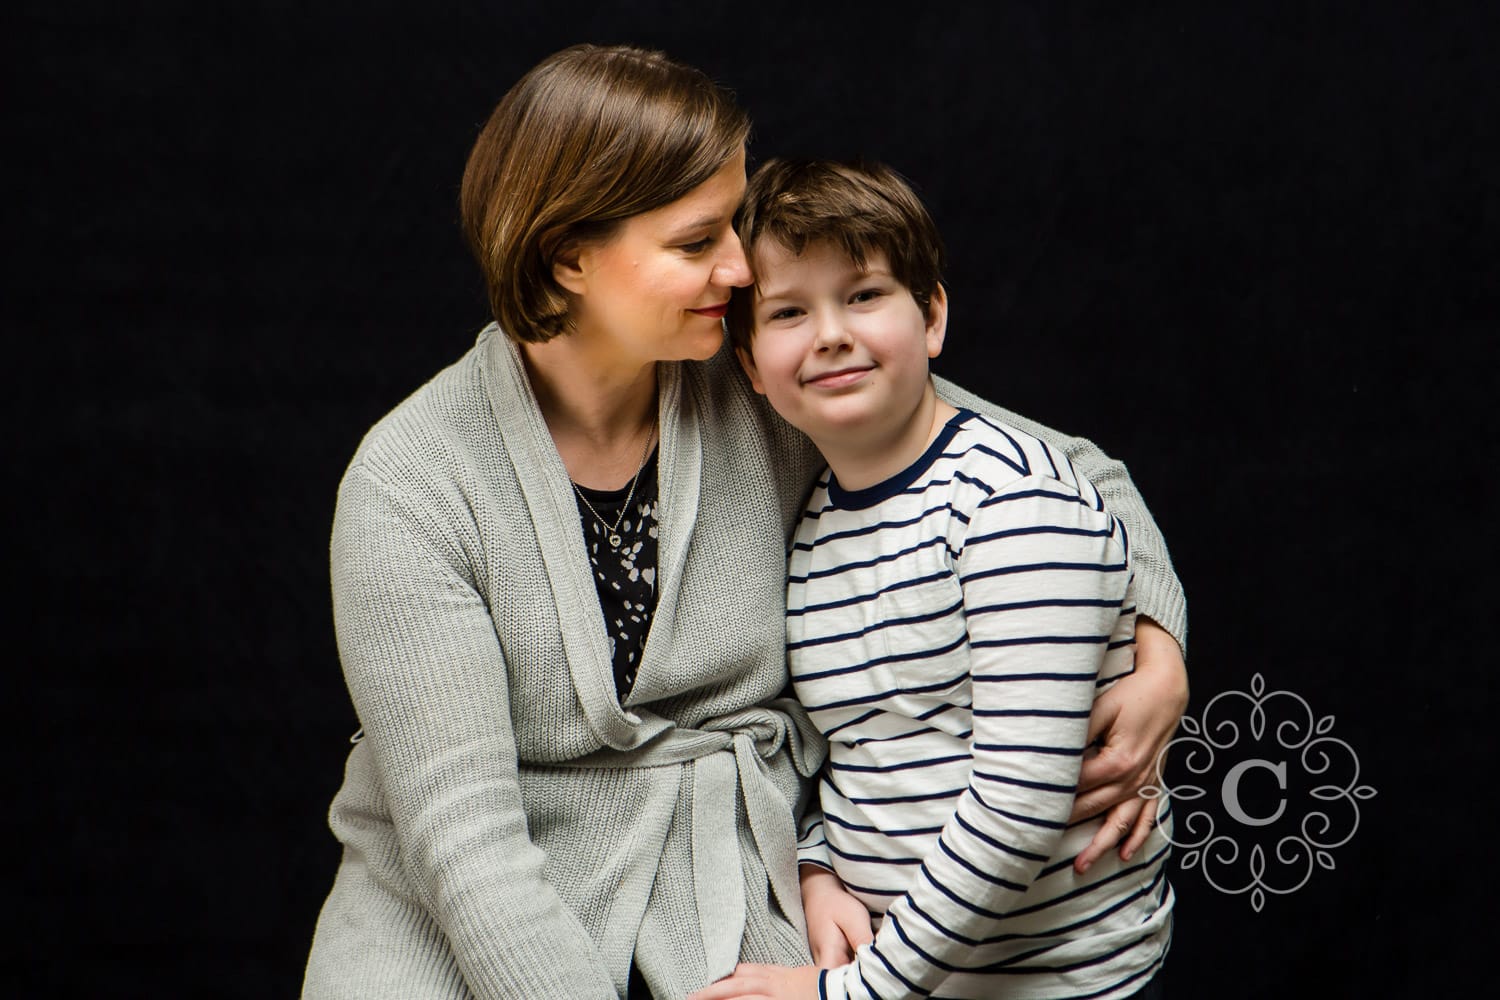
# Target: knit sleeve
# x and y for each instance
(428, 679)
(1158, 590)
(1046, 594)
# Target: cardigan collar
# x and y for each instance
(548, 493)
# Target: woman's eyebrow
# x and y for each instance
(702, 222)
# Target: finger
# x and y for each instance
(1106, 838)
(1116, 826)
(1098, 801)
(854, 927)
(829, 955)
(1102, 718)
(829, 941)
(1144, 825)
(857, 933)
(1113, 763)
(745, 982)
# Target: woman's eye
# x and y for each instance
(697, 246)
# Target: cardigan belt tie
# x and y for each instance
(742, 742)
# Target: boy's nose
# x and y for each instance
(832, 331)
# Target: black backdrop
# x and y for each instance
(1249, 249)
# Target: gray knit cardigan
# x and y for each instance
(510, 829)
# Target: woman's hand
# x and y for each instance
(837, 922)
(1138, 717)
(764, 982)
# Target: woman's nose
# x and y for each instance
(732, 268)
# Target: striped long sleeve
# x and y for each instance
(949, 631)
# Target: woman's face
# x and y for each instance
(657, 289)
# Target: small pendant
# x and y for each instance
(614, 541)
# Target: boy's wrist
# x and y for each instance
(810, 872)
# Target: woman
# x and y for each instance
(545, 804)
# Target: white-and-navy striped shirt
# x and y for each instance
(948, 630)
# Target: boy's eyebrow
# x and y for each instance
(786, 290)
(764, 293)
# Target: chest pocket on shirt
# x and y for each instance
(924, 637)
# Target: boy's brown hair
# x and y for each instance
(589, 137)
(861, 208)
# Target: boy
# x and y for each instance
(956, 598)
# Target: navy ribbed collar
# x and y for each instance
(884, 490)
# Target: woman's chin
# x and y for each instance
(701, 347)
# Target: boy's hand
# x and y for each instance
(764, 982)
(1138, 717)
(837, 922)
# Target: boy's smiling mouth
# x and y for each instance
(839, 377)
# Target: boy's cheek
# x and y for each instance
(747, 364)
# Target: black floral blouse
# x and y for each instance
(624, 573)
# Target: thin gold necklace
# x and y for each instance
(614, 529)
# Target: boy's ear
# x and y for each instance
(568, 268)
(937, 321)
(747, 362)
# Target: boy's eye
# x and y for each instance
(789, 312)
(866, 295)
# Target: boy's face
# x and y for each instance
(840, 352)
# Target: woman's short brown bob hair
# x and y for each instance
(590, 136)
